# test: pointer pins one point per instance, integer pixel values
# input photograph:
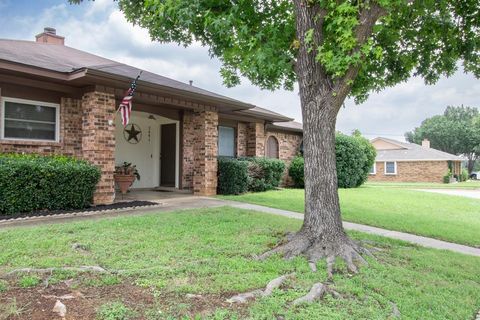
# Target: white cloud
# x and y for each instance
(99, 28)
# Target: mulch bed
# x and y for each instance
(44, 213)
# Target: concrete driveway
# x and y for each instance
(475, 194)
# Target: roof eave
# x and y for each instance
(236, 105)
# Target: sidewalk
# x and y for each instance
(193, 202)
(419, 240)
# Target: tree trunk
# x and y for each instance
(319, 111)
(470, 164)
(322, 234)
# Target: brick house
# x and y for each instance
(409, 162)
(59, 100)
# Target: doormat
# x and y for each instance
(160, 190)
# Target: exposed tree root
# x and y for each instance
(395, 312)
(316, 292)
(318, 248)
(271, 286)
(96, 269)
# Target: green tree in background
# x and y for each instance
(457, 131)
(331, 49)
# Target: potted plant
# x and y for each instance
(125, 175)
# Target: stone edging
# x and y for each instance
(78, 214)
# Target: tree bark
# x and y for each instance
(322, 234)
(319, 112)
(470, 163)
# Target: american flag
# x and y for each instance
(126, 104)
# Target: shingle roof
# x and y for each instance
(288, 125)
(265, 113)
(412, 151)
(65, 59)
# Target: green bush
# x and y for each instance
(236, 176)
(355, 156)
(464, 175)
(265, 173)
(232, 176)
(447, 177)
(31, 182)
(296, 172)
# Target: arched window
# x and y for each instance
(272, 147)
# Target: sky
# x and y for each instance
(100, 28)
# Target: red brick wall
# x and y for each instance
(412, 171)
(288, 147)
(98, 141)
(205, 153)
(200, 149)
(241, 139)
(188, 136)
(255, 139)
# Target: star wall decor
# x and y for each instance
(132, 133)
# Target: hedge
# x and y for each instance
(355, 156)
(30, 182)
(232, 176)
(236, 176)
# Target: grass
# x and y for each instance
(450, 218)
(11, 310)
(114, 311)
(29, 281)
(209, 252)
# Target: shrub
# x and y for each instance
(31, 182)
(232, 176)
(296, 172)
(236, 176)
(355, 156)
(447, 177)
(264, 173)
(464, 175)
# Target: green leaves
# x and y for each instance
(257, 39)
(30, 182)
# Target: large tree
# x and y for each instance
(332, 49)
(457, 131)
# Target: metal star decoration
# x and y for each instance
(132, 133)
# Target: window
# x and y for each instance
(373, 169)
(390, 167)
(226, 141)
(272, 147)
(29, 120)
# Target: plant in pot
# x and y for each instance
(125, 175)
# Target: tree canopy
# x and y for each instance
(256, 38)
(456, 131)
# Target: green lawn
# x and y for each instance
(449, 218)
(209, 252)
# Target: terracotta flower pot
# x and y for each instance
(124, 181)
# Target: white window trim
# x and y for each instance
(31, 102)
(374, 169)
(385, 168)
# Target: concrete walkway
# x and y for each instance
(193, 202)
(419, 240)
(475, 194)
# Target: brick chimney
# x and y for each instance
(49, 35)
(426, 143)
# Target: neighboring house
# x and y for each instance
(409, 162)
(59, 100)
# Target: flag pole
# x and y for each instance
(136, 79)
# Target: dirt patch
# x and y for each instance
(82, 302)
